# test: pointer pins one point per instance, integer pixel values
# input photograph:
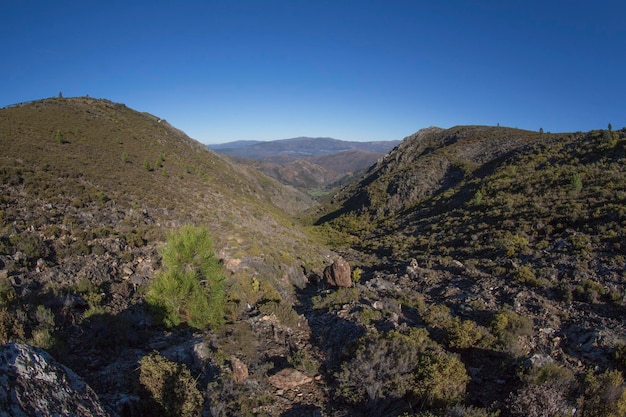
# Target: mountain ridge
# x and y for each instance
(300, 147)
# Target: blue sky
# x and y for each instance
(225, 70)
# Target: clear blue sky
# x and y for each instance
(224, 70)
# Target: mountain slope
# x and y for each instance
(486, 174)
(94, 150)
(90, 190)
(507, 246)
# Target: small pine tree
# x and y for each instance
(610, 127)
(191, 286)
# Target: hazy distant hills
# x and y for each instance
(307, 163)
(299, 147)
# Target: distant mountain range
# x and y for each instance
(299, 147)
(307, 163)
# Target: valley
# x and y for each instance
(312, 165)
(486, 271)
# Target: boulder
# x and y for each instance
(240, 370)
(338, 274)
(289, 378)
(32, 383)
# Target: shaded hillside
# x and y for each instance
(441, 179)
(299, 147)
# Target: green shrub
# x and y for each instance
(463, 334)
(619, 355)
(508, 327)
(30, 244)
(403, 366)
(440, 380)
(283, 312)
(60, 138)
(382, 366)
(577, 183)
(549, 373)
(604, 395)
(525, 275)
(302, 361)
(339, 297)
(589, 290)
(11, 328)
(171, 386)
(190, 286)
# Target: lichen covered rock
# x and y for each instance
(32, 383)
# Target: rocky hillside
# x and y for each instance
(482, 275)
(90, 192)
(84, 155)
(507, 246)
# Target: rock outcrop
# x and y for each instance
(338, 274)
(289, 378)
(32, 383)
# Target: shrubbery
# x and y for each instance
(604, 395)
(190, 287)
(171, 386)
(405, 367)
(508, 327)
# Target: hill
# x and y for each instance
(507, 246)
(91, 191)
(486, 274)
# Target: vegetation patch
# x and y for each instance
(171, 386)
(190, 287)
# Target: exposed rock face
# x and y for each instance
(338, 274)
(32, 383)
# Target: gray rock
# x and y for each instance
(32, 383)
